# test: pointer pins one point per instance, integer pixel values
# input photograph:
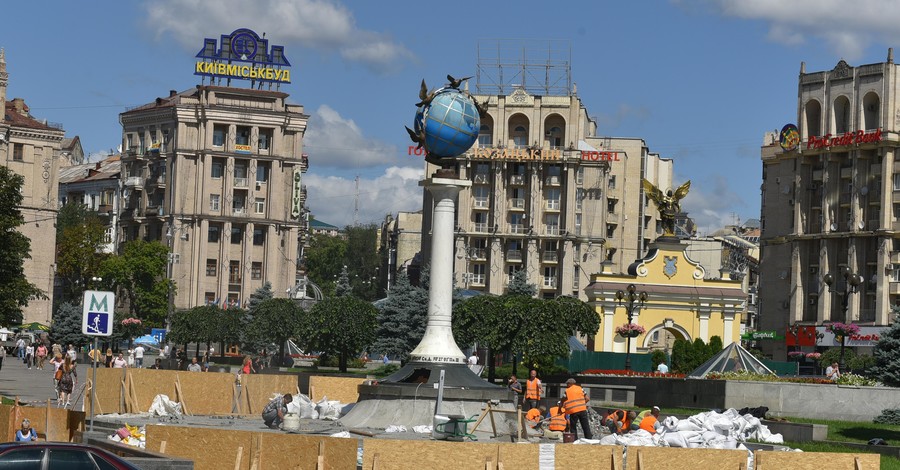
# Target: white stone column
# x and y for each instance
(438, 345)
(728, 318)
(703, 315)
(608, 325)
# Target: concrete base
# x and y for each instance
(428, 373)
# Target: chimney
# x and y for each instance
(19, 104)
(172, 93)
(97, 166)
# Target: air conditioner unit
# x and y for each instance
(258, 186)
(890, 266)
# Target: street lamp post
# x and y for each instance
(852, 282)
(629, 299)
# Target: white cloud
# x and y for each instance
(317, 24)
(331, 199)
(847, 27)
(623, 113)
(713, 204)
(335, 142)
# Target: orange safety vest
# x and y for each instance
(557, 419)
(533, 389)
(576, 402)
(618, 416)
(648, 424)
(533, 415)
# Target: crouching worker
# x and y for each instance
(615, 422)
(650, 423)
(535, 418)
(558, 422)
(273, 413)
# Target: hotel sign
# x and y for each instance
(848, 138)
(243, 55)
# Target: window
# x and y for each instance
(262, 172)
(18, 152)
(165, 134)
(516, 222)
(579, 176)
(212, 235)
(577, 224)
(238, 203)
(612, 182)
(481, 221)
(22, 459)
(549, 277)
(217, 168)
(265, 139)
(610, 230)
(896, 212)
(256, 270)
(611, 206)
(237, 232)
(485, 136)
(520, 136)
(552, 199)
(579, 198)
(243, 136)
(477, 275)
(211, 267)
(214, 202)
(219, 132)
(70, 459)
(259, 236)
(896, 181)
(551, 222)
(610, 253)
(234, 272)
(481, 196)
(260, 205)
(210, 298)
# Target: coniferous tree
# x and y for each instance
(887, 356)
(66, 328)
(401, 319)
(342, 287)
(519, 285)
(250, 343)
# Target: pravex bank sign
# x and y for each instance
(243, 55)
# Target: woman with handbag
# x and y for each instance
(67, 379)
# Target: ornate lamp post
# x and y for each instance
(852, 282)
(629, 299)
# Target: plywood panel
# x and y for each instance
(206, 393)
(7, 425)
(209, 448)
(602, 457)
(402, 455)
(519, 456)
(814, 460)
(343, 389)
(257, 390)
(294, 451)
(108, 389)
(672, 458)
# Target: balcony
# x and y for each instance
(552, 181)
(241, 182)
(481, 203)
(552, 205)
(476, 279)
(477, 253)
(153, 210)
(481, 227)
(895, 288)
(157, 180)
(134, 182)
(550, 257)
(482, 178)
(135, 152)
(513, 255)
(517, 180)
(517, 203)
(549, 282)
(517, 228)
(551, 230)
(104, 208)
(238, 210)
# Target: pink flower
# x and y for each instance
(630, 329)
(842, 329)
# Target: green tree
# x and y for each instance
(657, 357)
(324, 260)
(519, 285)
(340, 326)
(681, 360)
(80, 236)
(66, 327)
(251, 343)
(887, 356)
(139, 274)
(15, 290)
(699, 353)
(362, 259)
(715, 346)
(259, 295)
(401, 319)
(342, 286)
(229, 326)
(274, 321)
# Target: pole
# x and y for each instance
(93, 382)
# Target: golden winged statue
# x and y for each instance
(668, 204)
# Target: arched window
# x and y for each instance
(841, 109)
(813, 119)
(518, 125)
(871, 111)
(554, 131)
(486, 132)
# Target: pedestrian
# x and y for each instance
(615, 422)
(67, 381)
(473, 359)
(119, 362)
(195, 366)
(662, 368)
(532, 391)
(2, 356)
(109, 357)
(384, 359)
(57, 363)
(273, 413)
(576, 408)
(650, 423)
(247, 368)
(156, 365)
(41, 356)
(73, 355)
(26, 433)
(20, 348)
(514, 386)
(833, 372)
(139, 356)
(29, 355)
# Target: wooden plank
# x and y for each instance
(237, 459)
(816, 460)
(673, 458)
(342, 389)
(403, 455)
(573, 456)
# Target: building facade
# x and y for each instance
(97, 186)
(31, 148)
(549, 196)
(831, 205)
(215, 173)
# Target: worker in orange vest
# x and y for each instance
(615, 422)
(558, 418)
(532, 391)
(650, 423)
(576, 409)
(535, 417)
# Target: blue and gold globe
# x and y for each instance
(450, 123)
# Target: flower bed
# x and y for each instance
(846, 379)
(630, 373)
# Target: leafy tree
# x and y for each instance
(362, 259)
(887, 356)
(139, 274)
(401, 319)
(80, 236)
(681, 359)
(183, 327)
(324, 260)
(342, 286)
(715, 346)
(657, 357)
(66, 327)
(228, 327)
(341, 326)
(519, 285)
(274, 321)
(15, 290)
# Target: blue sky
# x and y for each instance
(699, 80)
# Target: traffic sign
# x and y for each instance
(97, 316)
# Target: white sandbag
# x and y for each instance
(328, 409)
(303, 407)
(395, 428)
(687, 425)
(344, 434)
(608, 440)
(587, 441)
(163, 406)
(422, 429)
(675, 439)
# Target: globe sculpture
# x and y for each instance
(446, 123)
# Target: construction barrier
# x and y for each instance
(50, 423)
(764, 460)
(387, 454)
(604, 457)
(342, 389)
(674, 458)
(216, 449)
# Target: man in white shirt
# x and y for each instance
(139, 356)
(833, 372)
(473, 360)
(662, 368)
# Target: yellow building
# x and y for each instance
(681, 303)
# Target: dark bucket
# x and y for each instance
(568, 437)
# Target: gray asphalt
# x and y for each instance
(34, 387)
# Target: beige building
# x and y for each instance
(832, 204)
(31, 148)
(215, 173)
(549, 196)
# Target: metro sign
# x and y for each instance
(97, 315)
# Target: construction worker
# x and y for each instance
(576, 409)
(615, 422)
(535, 417)
(650, 423)
(558, 419)
(532, 391)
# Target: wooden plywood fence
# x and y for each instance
(249, 450)
(387, 454)
(672, 458)
(601, 457)
(256, 390)
(764, 460)
(343, 389)
(54, 424)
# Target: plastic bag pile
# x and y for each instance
(130, 435)
(163, 406)
(711, 430)
(322, 409)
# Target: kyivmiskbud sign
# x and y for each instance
(243, 55)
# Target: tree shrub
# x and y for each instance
(888, 416)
